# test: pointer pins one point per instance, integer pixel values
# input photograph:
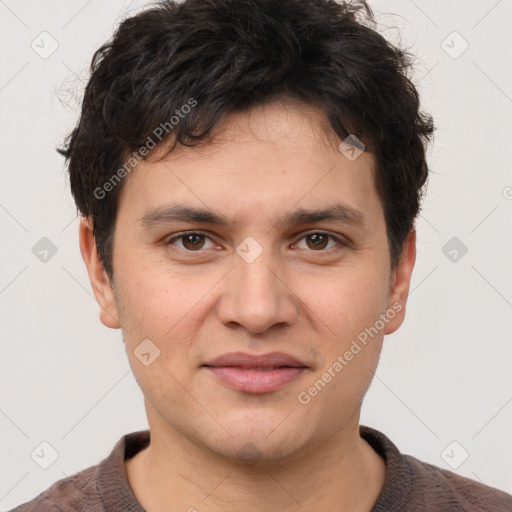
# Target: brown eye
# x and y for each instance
(318, 240)
(191, 242)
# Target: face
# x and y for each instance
(317, 291)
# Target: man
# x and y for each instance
(248, 174)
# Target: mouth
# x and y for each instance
(256, 368)
(256, 374)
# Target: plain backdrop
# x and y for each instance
(442, 391)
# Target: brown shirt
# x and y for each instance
(410, 485)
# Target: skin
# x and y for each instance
(295, 298)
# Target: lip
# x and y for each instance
(263, 373)
(244, 360)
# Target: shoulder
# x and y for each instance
(97, 488)
(73, 493)
(434, 488)
(411, 484)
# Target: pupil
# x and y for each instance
(195, 240)
(318, 239)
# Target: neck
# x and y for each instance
(342, 473)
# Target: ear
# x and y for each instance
(400, 282)
(103, 290)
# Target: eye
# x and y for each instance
(318, 240)
(192, 241)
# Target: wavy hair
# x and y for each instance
(231, 55)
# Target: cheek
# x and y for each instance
(156, 302)
(347, 303)
(169, 309)
(156, 307)
(350, 311)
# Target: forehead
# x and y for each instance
(263, 161)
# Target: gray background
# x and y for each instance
(444, 377)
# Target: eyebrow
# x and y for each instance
(178, 212)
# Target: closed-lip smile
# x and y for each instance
(257, 374)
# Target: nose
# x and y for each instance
(256, 295)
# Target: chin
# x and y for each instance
(257, 451)
(260, 436)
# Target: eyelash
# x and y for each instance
(339, 241)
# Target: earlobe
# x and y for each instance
(102, 288)
(400, 283)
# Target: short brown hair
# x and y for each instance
(223, 56)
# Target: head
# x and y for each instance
(241, 109)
